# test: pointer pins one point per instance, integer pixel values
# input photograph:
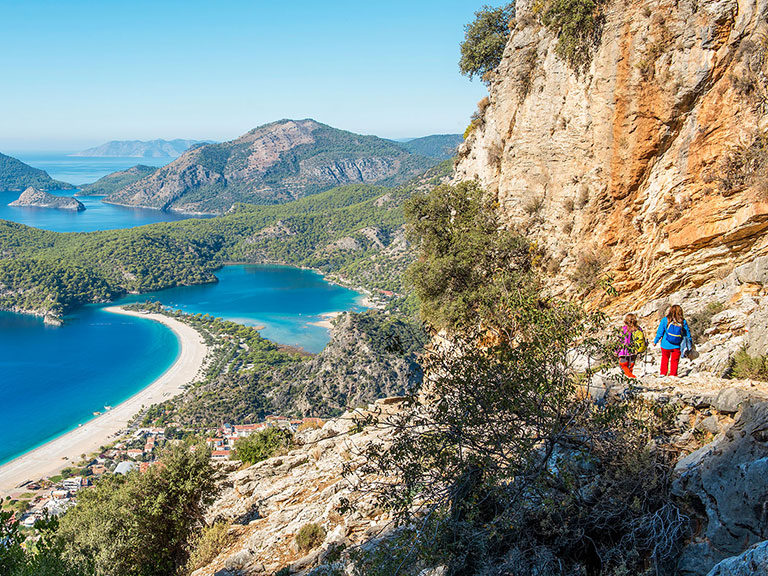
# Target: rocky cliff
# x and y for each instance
(274, 163)
(647, 166)
(41, 199)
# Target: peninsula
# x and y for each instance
(41, 199)
(52, 457)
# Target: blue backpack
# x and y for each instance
(674, 334)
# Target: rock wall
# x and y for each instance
(628, 168)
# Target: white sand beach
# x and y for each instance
(327, 320)
(65, 450)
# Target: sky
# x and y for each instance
(77, 73)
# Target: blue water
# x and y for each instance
(80, 170)
(283, 299)
(54, 378)
(96, 216)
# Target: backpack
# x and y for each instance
(639, 343)
(674, 334)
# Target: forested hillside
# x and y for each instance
(16, 175)
(355, 232)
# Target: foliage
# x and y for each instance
(262, 445)
(484, 40)
(578, 25)
(55, 273)
(209, 544)
(698, 322)
(744, 165)
(310, 536)
(438, 146)
(117, 180)
(142, 524)
(16, 175)
(43, 557)
(497, 461)
(750, 367)
(459, 278)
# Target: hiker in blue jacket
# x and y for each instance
(673, 333)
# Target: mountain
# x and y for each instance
(41, 199)
(115, 181)
(439, 146)
(647, 167)
(274, 163)
(142, 149)
(15, 175)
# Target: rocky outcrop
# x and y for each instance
(753, 562)
(637, 167)
(274, 163)
(268, 503)
(726, 485)
(40, 199)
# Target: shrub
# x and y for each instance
(209, 544)
(589, 268)
(698, 322)
(578, 25)
(534, 205)
(262, 445)
(749, 367)
(744, 165)
(485, 39)
(310, 536)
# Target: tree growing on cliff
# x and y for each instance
(501, 460)
(142, 524)
(484, 40)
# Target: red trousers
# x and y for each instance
(670, 358)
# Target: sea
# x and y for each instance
(53, 379)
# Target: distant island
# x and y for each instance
(16, 176)
(115, 181)
(41, 199)
(438, 146)
(142, 148)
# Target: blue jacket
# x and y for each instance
(665, 344)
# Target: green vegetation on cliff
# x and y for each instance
(16, 175)
(115, 181)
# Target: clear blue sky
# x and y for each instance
(77, 73)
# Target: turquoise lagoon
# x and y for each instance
(54, 378)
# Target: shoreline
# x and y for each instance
(49, 459)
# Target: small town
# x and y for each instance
(136, 451)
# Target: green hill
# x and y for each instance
(16, 175)
(272, 164)
(438, 146)
(115, 181)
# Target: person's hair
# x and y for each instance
(631, 322)
(675, 314)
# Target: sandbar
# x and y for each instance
(50, 458)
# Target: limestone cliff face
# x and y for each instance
(637, 167)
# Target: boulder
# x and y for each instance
(753, 562)
(725, 483)
(729, 399)
(755, 272)
(757, 340)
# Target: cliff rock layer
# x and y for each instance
(648, 166)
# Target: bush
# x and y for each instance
(698, 322)
(749, 367)
(262, 445)
(210, 543)
(485, 39)
(310, 536)
(496, 455)
(578, 25)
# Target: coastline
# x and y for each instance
(63, 451)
